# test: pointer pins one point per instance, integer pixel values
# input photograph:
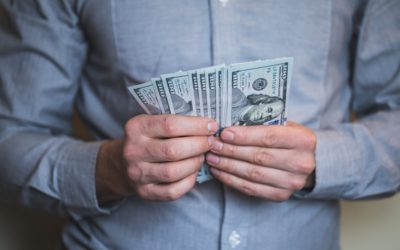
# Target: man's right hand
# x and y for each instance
(157, 159)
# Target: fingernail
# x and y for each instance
(212, 127)
(211, 158)
(217, 145)
(227, 135)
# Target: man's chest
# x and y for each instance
(148, 38)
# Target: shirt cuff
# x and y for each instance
(336, 160)
(77, 181)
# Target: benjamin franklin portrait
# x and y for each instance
(255, 109)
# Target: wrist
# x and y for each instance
(112, 182)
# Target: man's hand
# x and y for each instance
(157, 159)
(269, 162)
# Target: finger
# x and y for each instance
(293, 124)
(296, 161)
(251, 189)
(175, 149)
(167, 126)
(167, 192)
(273, 136)
(171, 171)
(258, 174)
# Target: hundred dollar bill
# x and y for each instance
(196, 92)
(146, 95)
(219, 81)
(179, 93)
(222, 77)
(161, 95)
(257, 92)
(208, 81)
(202, 78)
(211, 83)
(249, 93)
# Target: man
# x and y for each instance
(134, 186)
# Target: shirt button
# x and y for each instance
(224, 2)
(234, 239)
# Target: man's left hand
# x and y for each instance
(269, 162)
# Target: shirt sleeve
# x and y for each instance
(362, 159)
(42, 52)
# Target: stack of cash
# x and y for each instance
(250, 93)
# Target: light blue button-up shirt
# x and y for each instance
(59, 54)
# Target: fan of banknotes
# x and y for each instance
(249, 93)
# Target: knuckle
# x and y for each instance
(170, 152)
(255, 173)
(129, 152)
(305, 167)
(231, 149)
(168, 174)
(270, 139)
(129, 126)
(133, 125)
(310, 141)
(262, 157)
(152, 124)
(169, 126)
(134, 174)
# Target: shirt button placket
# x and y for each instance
(223, 31)
(224, 51)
